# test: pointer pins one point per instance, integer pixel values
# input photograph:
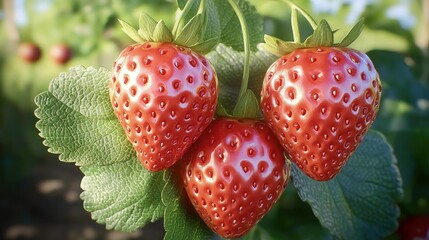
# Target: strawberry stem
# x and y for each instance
(246, 42)
(307, 16)
(295, 26)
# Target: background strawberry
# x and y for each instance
(29, 52)
(414, 228)
(320, 101)
(234, 174)
(61, 53)
(163, 93)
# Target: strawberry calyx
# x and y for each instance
(185, 33)
(322, 36)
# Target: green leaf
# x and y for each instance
(189, 34)
(130, 31)
(360, 202)
(403, 94)
(221, 111)
(124, 196)
(205, 46)
(353, 34)
(229, 68)
(247, 106)
(403, 118)
(162, 33)
(230, 28)
(321, 37)
(257, 233)
(212, 27)
(181, 222)
(147, 26)
(224, 25)
(77, 121)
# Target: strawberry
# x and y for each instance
(234, 174)
(29, 52)
(414, 228)
(61, 53)
(163, 93)
(320, 101)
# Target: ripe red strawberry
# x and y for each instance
(163, 90)
(233, 174)
(164, 96)
(320, 102)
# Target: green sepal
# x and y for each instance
(323, 36)
(162, 33)
(149, 30)
(147, 26)
(191, 32)
(181, 4)
(279, 47)
(130, 31)
(221, 111)
(353, 34)
(247, 106)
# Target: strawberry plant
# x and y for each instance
(116, 126)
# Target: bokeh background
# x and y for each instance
(39, 195)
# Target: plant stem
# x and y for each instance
(295, 26)
(246, 42)
(307, 16)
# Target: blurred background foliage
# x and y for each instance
(396, 38)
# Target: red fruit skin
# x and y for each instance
(29, 52)
(320, 102)
(164, 96)
(61, 53)
(414, 228)
(233, 174)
